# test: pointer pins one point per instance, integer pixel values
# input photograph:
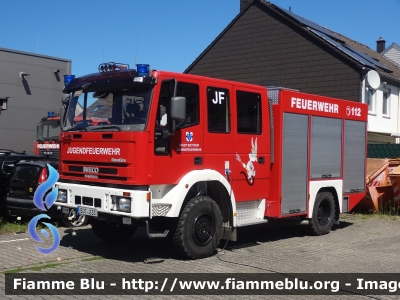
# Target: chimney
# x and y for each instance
(243, 4)
(380, 45)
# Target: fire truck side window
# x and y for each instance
(191, 92)
(218, 110)
(248, 112)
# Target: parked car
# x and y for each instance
(8, 159)
(23, 181)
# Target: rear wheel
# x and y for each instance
(323, 214)
(112, 233)
(199, 228)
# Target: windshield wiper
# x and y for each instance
(81, 126)
(91, 128)
(53, 138)
(76, 128)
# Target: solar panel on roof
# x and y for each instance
(359, 56)
(369, 58)
(345, 50)
(334, 40)
(309, 23)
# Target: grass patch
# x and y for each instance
(7, 226)
(368, 216)
(389, 208)
(18, 224)
(35, 268)
(93, 258)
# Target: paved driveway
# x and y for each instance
(357, 245)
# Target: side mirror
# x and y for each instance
(178, 109)
(62, 117)
(65, 99)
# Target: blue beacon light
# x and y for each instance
(142, 69)
(68, 78)
(50, 114)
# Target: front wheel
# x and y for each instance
(112, 233)
(199, 228)
(323, 214)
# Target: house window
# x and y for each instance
(370, 99)
(386, 103)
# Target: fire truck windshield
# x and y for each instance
(103, 111)
(48, 130)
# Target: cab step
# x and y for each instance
(250, 213)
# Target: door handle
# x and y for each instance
(198, 161)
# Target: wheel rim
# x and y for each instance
(202, 229)
(324, 213)
(79, 221)
(76, 221)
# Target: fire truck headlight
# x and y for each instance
(62, 196)
(124, 205)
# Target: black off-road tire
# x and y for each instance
(199, 228)
(323, 215)
(112, 233)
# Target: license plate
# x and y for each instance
(127, 221)
(87, 211)
(65, 210)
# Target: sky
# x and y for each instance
(166, 34)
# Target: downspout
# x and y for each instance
(363, 74)
(398, 114)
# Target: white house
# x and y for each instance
(393, 53)
(383, 101)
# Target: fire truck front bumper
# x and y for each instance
(95, 201)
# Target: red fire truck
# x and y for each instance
(47, 136)
(47, 141)
(196, 157)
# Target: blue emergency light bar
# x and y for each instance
(50, 114)
(142, 69)
(67, 79)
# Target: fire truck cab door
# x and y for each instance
(250, 170)
(218, 134)
(182, 152)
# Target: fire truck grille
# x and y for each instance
(87, 201)
(160, 210)
(95, 176)
(52, 152)
(92, 170)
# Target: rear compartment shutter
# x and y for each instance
(326, 148)
(294, 163)
(354, 155)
